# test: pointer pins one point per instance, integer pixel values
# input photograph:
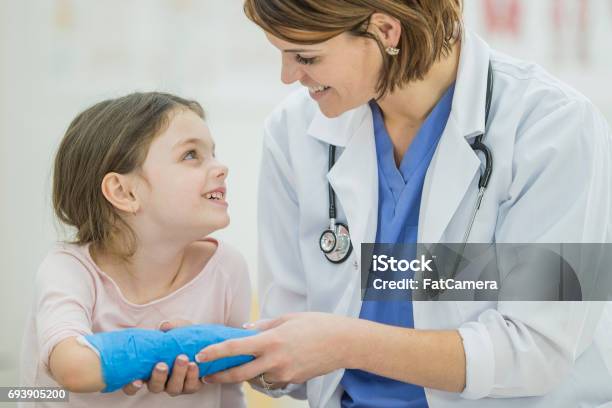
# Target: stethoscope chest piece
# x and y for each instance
(335, 243)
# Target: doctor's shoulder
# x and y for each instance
(553, 149)
(540, 104)
(552, 137)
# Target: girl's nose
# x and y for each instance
(221, 171)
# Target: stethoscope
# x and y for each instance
(335, 242)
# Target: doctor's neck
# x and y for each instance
(410, 105)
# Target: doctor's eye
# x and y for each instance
(190, 155)
(304, 61)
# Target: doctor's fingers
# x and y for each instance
(263, 324)
(251, 345)
(241, 373)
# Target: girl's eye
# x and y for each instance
(304, 61)
(190, 155)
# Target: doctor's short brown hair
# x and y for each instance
(429, 29)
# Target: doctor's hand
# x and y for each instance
(184, 378)
(290, 349)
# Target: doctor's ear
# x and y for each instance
(386, 28)
(119, 190)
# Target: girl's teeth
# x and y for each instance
(215, 195)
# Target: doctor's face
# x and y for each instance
(340, 74)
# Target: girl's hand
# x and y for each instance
(184, 378)
(291, 349)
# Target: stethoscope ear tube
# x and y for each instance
(478, 145)
(483, 182)
(332, 194)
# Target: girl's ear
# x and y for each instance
(118, 189)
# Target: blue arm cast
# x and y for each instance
(131, 354)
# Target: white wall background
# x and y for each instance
(59, 56)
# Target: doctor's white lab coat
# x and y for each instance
(551, 182)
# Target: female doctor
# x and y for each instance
(402, 90)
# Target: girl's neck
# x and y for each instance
(156, 269)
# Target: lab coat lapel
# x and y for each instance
(455, 164)
(450, 173)
(354, 176)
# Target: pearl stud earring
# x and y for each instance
(392, 51)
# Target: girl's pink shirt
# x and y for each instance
(74, 297)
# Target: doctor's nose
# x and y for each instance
(291, 72)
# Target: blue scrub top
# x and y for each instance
(399, 192)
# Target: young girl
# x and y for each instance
(138, 179)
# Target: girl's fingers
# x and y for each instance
(173, 324)
(133, 387)
(157, 383)
(192, 382)
(177, 379)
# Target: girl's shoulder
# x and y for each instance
(231, 256)
(224, 257)
(66, 267)
(64, 254)
(233, 266)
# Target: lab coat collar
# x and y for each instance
(338, 131)
(468, 110)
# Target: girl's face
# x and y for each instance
(341, 73)
(182, 185)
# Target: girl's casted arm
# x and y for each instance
(76, 367)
